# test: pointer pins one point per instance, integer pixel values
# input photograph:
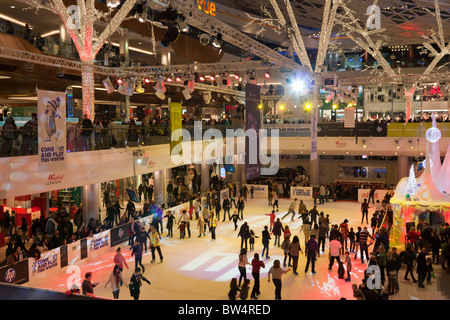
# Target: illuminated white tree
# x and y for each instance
(438, 38)
(79, 20)
(411, 188)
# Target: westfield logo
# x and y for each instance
(54, 177)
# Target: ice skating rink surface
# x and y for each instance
(201, 269)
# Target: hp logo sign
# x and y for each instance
(10, 275)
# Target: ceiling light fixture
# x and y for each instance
(217, 42)
(112, 3)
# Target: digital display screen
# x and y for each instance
(132, 195)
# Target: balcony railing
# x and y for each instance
(17, 142)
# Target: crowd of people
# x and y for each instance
(369, 243)
(344, 244)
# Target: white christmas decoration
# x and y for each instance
(433, 134)
(411, 188)
(428, 190)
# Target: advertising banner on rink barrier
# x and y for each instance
(17, 273)
(119, 234)
(51, 112)
(73, 252)
(260, 191)
(49, 261)
(97, 242)
(365, 193)
(223, 193)
(302, 193)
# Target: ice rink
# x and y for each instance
(200, 269)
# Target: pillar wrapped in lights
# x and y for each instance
(79, 21)
(409, 95)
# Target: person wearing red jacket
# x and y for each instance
(256, 266)
(272, 219)
(413, 237)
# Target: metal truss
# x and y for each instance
(202, 68)
(206, 87)
(271, 97)
(137, 72)
(404, 78)
(207, 23)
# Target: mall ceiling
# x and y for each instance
(404, 20)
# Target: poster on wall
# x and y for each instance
(253, 121)
(51, 110)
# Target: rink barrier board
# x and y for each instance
(64, 256)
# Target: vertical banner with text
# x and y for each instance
(314, 116)
(175, 123)
(253, 121)
(51, 110)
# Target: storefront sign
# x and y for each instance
(207, 6)
(51, 109)
(302, 193)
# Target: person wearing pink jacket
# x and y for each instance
(272, 219)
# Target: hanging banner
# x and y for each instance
(349, 117)
(253, 121)
(314, 134)
(51, 110)
(175, 123)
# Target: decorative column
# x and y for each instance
(402, 167)
(314, 173)
(90, 197)
(205, 176)
(159, 187)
